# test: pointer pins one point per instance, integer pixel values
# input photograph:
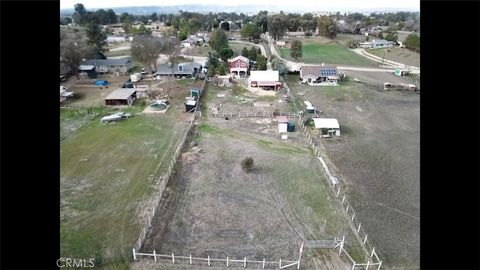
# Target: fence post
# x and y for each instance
(134, 255)
(280, 263)
(353, 216)
(368, 264)
(347, 208)
(365, 240)
(380, 265)
(155, 255)
(338, 191)
(208, 258)
(263, 265)
(227, 261)
(354, 264)
(373, 251)
(300, 255)
(343, 199)
(359, 226)
(245, 262)
(190, 258)
(173, 258)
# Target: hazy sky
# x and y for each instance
(318, 4)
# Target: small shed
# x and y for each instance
(327, 125)
(190, 105)
(282, 127)
(122, 96)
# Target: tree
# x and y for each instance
(225, 53)
(194, 24)
(154, 17)
(218, 40)
(222, 70)
(261, 20)
(112, 17)
(296, 49)
(125, 17)
(96, 37)
(280, 66)
(212, 60)
(146, 49)
(253, 53)
(392, 36)
(245, 52)
(142, 31)
(79, 16)
(327, 27)
(225, 26)
(247, 164)
(73, 48)
(412, 42)
(277, 26)
(250, 31)
(352, 44)
(65, 21)
(261, 62)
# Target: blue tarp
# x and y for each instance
(101, 82)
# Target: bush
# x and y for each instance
(247, 164)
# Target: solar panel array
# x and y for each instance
(328, 72)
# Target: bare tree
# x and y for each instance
(73, 48)
(146, 49)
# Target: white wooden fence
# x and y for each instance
(339, 192)
(262, 114)
(227, 262)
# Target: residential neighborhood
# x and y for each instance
(256, 140)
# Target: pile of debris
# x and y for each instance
(191, 156)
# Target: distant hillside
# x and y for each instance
(147, 10)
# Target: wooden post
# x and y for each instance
(245, 262)
(227, 261)
(373, 251)
(347, 208)
(190, 258)
(134, 255)
(208, 259)
(155, 255)
(365, 240)
(380, 265)
(368, 264)
(263, 265)
(353, 216)
(280, 263)
(300, 255)
(354, 264)
(173, 258)
(338, 191)
(359, 226)
(324, 225)
(343, 199)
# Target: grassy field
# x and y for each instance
(333, 53)
(107, 171)
(401, 55)
(238, 47)
(118, 53)
(377, 155)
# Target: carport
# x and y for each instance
(327, 126)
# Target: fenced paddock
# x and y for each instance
(261, 114)
(339, 192)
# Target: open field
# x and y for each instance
(118, 53)
(402, 35)
(212, 207)
(378, 157)
(197, 51)
(109, 171)
(238, 47)
(321, 50)
(401, 55)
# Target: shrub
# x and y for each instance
(247, 164)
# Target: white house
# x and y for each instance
(319, 75)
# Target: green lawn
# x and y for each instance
(106, 172)
(238, 47)
(329, 54)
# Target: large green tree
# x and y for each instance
(296, 49)
(96, 37)
(146, 49)
(79, 16)
(225, 53)
(277, 25)
(412, 42)
(218, 40)
(261, 62)
(251, 31)
(73, 48)
(327, 27)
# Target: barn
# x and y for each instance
(122, 96)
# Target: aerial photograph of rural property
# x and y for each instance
(240, 135)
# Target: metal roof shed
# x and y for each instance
(327, 123)
(122, 96)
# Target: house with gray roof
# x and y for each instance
(319, 75)
(381, 43)
(187, 69)
(110, 65)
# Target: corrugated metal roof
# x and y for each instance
(108, 62)
(264, 75)
(122, 93)
(326, 123)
